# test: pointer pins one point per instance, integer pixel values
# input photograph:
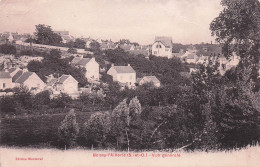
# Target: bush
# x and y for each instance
(61, 102)
(7, 49)
(7, 104)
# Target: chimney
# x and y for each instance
(128, 64)
(112, 65)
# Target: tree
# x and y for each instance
(45, 35)
(237, 30)
(134, 107)
(34, 66)
(94, 46)
(97, 128)
(120, 122)
(79, 43)
(7, 49)
(69, 129)
(72, 50)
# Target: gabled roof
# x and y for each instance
(11, 70)
(166, 41)
(24, 77)
(64, 77)
(52, 82)
(83, 61)
(191, 56)
(125, 47)
(4, 74)
(150, 79)
(75, 60)
(123, 69)
(17, 75)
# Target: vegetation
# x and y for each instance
(206, 111)
(7, 49)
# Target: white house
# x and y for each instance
(90, 65)
(190, 57)
(149, 79)
(5, 80)
(162, 47)
(67, 84)
(31, 80)
(123, 74)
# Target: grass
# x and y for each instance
(35, 130)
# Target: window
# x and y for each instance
(158, 46)
(155, 52)
(3, 85)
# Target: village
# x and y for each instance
(14, 72)
(138, 78)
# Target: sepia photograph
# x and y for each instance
(129, 83)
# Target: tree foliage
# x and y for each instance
(7, 49)
(45, 35)
(69, 129)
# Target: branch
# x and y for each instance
(156, 129)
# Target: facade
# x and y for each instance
(32, 81)
(123, 74)
(90, 65)
(149, 79)
(5, 80)
(67, 84)
(162, 47)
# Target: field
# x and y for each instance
(40, 130)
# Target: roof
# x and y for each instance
(4, 74)
(138, 80)
(151, 79)
(124, 69)
(11, 70)
(166, 41)
(83, 61)
(75, 60)
(125, 47)
(191, 56)
(17, 75)
(52, 82)
(24, 77)
(63, 78)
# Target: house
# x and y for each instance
(5, 80)
(30, 80)
(149, 79)
(226, 64)
(67, 84)
(190, 57)
(90, 66)
(123, 74)
(162, 47)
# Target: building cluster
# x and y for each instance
(9, 61)
(12, 75)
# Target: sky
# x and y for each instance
(186, 21)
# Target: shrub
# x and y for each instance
(7, 49)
